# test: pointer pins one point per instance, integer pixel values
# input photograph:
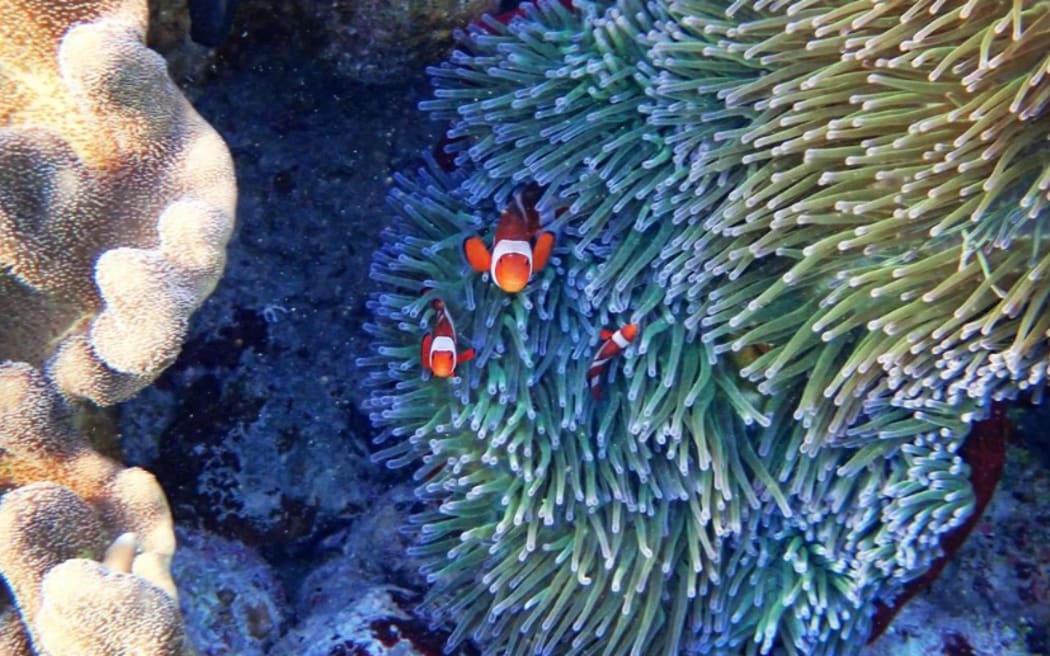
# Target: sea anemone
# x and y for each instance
(825, 216)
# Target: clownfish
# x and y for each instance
(612, 344)
(746, 356)
(438, 353)
(519, 247)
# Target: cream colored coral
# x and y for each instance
(85, 613)
(70, 603)
(70, 502)
(116, 198)
(32, 546)
(116, 202)
(37, 444)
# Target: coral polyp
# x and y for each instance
(826, 219)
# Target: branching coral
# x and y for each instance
(827, 219)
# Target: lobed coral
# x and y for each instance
(116, 201)
(62, 508)
(827, 218)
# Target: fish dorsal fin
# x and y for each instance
(605, 334)
(522, 212)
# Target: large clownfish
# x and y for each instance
(612, 344)
(519, 247)
(438, 353)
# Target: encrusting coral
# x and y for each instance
(826, 218)
(116, 202)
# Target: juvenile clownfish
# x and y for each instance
(612, 344)
(746, 356)
(519, 247)
(438, 353)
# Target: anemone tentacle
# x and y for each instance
(827, 219)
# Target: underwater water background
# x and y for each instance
(290, 534)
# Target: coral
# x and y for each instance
(232, 601)
(355, 617)
(377, 41)
(37, 444)
(116, 199)
(81, 598)
(59, 481)
(827, 219)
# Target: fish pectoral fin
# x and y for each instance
(466, 355)
(605, 334)
(477, 254)
(424, 351)
(541, 250)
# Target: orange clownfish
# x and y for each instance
(438, 353)
(612, 344)
(519, 247)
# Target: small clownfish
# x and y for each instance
(746, 356)
(509, 15)
(519, 247)
(438, 353)
(612, 344)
